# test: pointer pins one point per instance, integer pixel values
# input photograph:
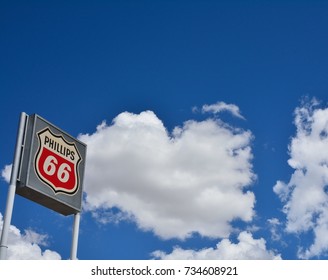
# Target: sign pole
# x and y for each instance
(12, 188)
(75, 238)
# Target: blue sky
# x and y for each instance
(205, 121)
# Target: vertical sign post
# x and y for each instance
(75, 236)
(48, 169)
(12, 188)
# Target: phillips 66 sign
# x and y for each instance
(57, 162)
(51, 167)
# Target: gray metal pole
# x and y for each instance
(75, 238)
(12, 188)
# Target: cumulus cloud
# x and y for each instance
(247, 248)
(305, 195)
(6, 172)
(274, 226)
(222, 106)
(26, 246)
(193, 179)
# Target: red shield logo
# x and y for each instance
(56, 162)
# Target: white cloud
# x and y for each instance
(26, 246)
(305, 195)
(194, 179)
(222, 106)
(275, 229)
(247, 248)
(6, 172)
